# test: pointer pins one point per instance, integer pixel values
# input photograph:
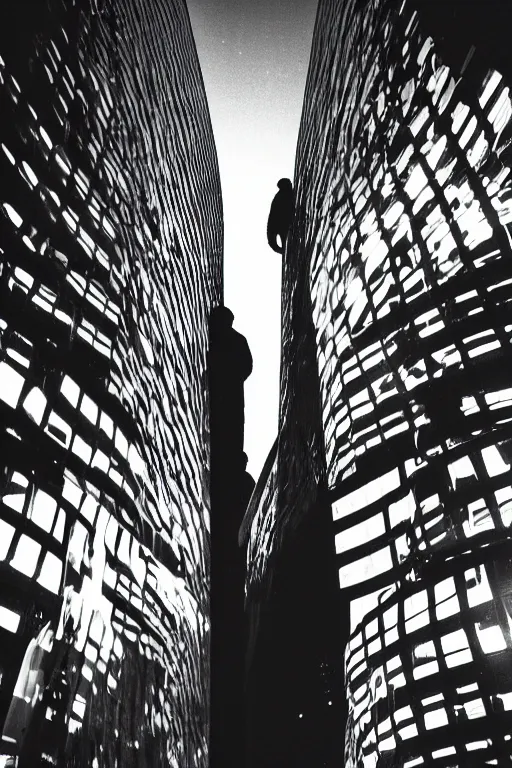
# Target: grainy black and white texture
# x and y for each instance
(397, 288)
(110, 246)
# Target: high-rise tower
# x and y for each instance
(395, 390)
(111, 238)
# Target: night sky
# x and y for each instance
(254, 58)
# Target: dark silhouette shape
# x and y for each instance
(231, 486)
(247, 484)
(295, 672)
(280, 216)
(230, 363)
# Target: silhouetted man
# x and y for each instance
(230, 363)
(280, 216)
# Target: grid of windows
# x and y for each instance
(403, 225)
(111, 237)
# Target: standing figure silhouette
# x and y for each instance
(280, 216)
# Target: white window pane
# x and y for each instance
(6, 536)
(9, 619)
(11, 384)
(43, 510)
(51, 573)
(70, 390)
(26, 557)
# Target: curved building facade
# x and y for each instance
(399, 265)
(111, 261)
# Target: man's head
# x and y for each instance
(284, 184)
(221, 317)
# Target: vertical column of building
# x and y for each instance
(111, 237)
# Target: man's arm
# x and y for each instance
(273, 225)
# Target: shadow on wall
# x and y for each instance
(229, 364)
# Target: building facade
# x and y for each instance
(395, 422)
(111, 261)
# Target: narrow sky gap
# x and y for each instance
(254, 59)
